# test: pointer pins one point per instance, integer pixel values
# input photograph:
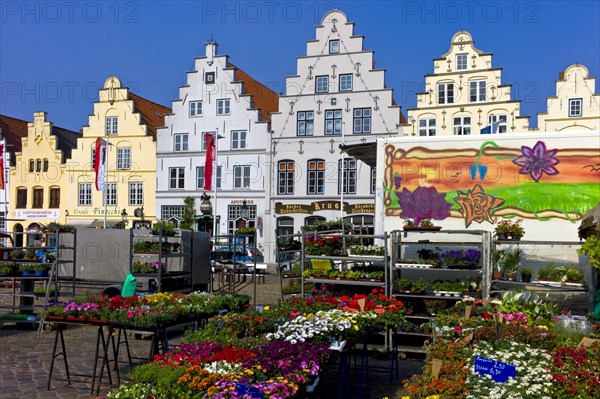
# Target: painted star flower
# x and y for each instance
(423, 203)
(476, 205)
(537, 161)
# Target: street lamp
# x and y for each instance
(244, 212)
(124, 216)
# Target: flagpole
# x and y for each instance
(105, 191)
(216, 174)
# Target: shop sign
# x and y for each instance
(283, 209)
(37, 213)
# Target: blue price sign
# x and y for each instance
(499, 371)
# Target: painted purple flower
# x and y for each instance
(537, 161)
(423, 203)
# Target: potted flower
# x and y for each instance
(27, 269)
(571, 275)
(424, 224)
(507, 229)
(498, 264)
(41, 269)
(61, 228)
(548, 273)
(526, 275)
(30, 254)
(50, 257)
(246, 230)
(8, 268)
(403, 284)
(166, 227)
(366, 250)
(18, 254)
(419, 286)
(511, 262)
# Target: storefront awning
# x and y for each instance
(366, 152)
(99, 223)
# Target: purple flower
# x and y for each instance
(537, 161)
(423, 203)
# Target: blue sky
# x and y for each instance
(55, 55)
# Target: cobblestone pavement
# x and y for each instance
(25, 357)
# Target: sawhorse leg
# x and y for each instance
(59, 336)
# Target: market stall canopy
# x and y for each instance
(590, 223)
(366, 152)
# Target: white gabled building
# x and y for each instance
(575, 106)
(465, 95)
(336, 96)
(218, 98)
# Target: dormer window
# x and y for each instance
(461, 62)
(334, 46)
(575, 107)
(209, 78)
(112, 123)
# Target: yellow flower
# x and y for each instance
(406, 397)
(433, 397)
(266, 308)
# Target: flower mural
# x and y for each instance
(537, 161)
(423, 203)
(476, 205)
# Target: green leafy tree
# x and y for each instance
(189, 213)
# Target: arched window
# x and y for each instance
(315, 183)
(285, 177)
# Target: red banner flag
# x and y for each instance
(210, 158)
(1, 167)
(99, 163)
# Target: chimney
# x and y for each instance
(211, 50)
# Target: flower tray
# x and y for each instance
(446, 293)
(366, 256)
(420, 228)
(574, 284)
(414, 265)
(291, 275)
(550, 283)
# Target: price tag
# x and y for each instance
(467, 312)
(436, 368)
(585, 342)
(499, 371)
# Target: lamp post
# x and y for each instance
(244, 212)
(124, 217)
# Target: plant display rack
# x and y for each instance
(22, 299)
(178, 276)
(534, 257)
(288, 257)
(405, 240)
(341, 261)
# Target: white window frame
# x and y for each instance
(111, 125)
(502, 118)
(333, 122)
(315, 179)
(345, 86)
(477, 91)
(200, 177)
(462, 61)
(334, 46)
(322, 84)
(93, 158)
(575, 107)
(84, 194)
(123, 158)
(286, 170)
(373, 180)
(462, 125)
(224, 106)
(176, 178)
(241, 176)
(305, 125)
(136, 193)
(427, 127)
(349, 182)
(181, 142)
(195, 109)
(110, 195)
(238, 139)
(446, 93)
(362, 120)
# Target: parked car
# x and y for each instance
(237, 254)
(287, 259)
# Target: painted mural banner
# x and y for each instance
(478, 179)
